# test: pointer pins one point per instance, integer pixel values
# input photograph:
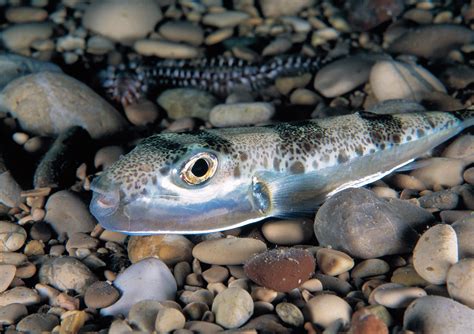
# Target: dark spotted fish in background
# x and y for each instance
(220, 76)
(214, 180)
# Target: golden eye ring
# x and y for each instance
(199, 168)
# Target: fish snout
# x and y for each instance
(105, 198)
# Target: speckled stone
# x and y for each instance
(38, 323)
(101, 294)
(290, 314)
(12, 236)
(232, 307)
(169, 248)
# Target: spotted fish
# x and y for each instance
(213, 180)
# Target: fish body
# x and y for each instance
(213, 180)
(220, 75)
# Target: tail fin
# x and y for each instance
(466, 116)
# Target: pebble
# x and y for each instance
(40, 231)
(12, 236)
(20, 295)
(458, 76)
(10, 314)
(289, 313)
(325, 309)
(365, 15)
(187, 102)
(333, 262)
(38, 323)
(15, 259)
(25, 14)
(215, 274)
(67, 214)
(66, 273)
(202, 327)
(165, 49)
(107, 155)
(465, 234)
(445, 172)
(169, 320)
(435, 252)
(20, 36)
(395, 296)
(101, 294)
(233, 307)
(355, 221)
(240, 114)
(142, 112)
(371, 267)
(287, 232)
(122, 20)
(99, 45)
(432, 41)
(225, 19)
(142, 314)
(10, 190)
(438, 315)
(391, 79)
(407, 276)
(156, 282)
(81, 241)
(7, 274)
(218, 36)
(343, 75)
(228, 251)
(286, 84)
(419, 16)
(461, 148)
(363, 322)
(278, 46)
(182, 31)
(303, 96)
(49, 103)
(278, 8)
(460, 282)
(169, 248)
(443, 200)
(280, 269)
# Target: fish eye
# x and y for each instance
(200, 168)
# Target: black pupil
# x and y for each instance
(200, 168)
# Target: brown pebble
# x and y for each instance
(281, 269)
(101, 294)
(363, 322)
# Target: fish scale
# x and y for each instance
(276, 170)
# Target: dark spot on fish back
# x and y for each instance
(342, 157)
(297, 167)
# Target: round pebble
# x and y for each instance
(224, 19)
(460, 282)
(20, 295)
(38, 323)
(333, 262)
(233, 307)
(7, 274)
(142, 112)
(371, 267)
(187, 102)
(10, 314)
(228, 251)
(435, 252)
(165, 49)
(287, 232)
(142, 314)
(363, 322)
(465, 233)
(169, 248)
(20, 36)
(100, 294)
(290, 314)
(215, 274)
(395, 296)
(182, 31)
(240, 114)
(25, 14)
(325, 309)
(280, 269)
(12, 236)
(107, 155)
(169, 320)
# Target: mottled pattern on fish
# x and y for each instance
(275, 170)
(220, 76)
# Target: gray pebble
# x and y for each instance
(460, 282)
(232, 307)
(290, 314)
(38, 323)
(12, 236)
(187, 102)
(240, 114)
(143, 314)
(465, 234)
(443, 200)
(101, 294)
(11, 313)
(371, 267)
(21, 295)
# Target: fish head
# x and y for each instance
(174, 183)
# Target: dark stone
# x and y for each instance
(443, 200)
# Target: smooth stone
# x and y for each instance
(445, 172)
(156, 283)
(12, 236)
(169, 320)
(286, 84)
(392, 296)
(107, 155)
(287, 232)
(391, 79)
(10, 314)
(226, 19)
(49, 103)
(365, 15)
(397, 106)
(303, 96)
(403, 181)
(407, 276)
(363, 322)
(465, 234)
(297, 24)
(442, 200)
(290, 314)
(461, 148)
(67, 214)
(215, 274)
(99, 45)
(169, 248)
(66, 273)
(13, 66)
(187, 102)
(325, 309)
(343, 75)
(202, 327)
(333, 262)
(228, 251)
(15, 259)
(278, 46)
(240, 114)
(218, 36)
(278, 8)
(198, 296)
(165, 49)
(10, 190)
(420, 16)
(122, 20)
(336, 284)
(20, 295)
(142, 314)
(7, 274)
(233, 307)
(435, 252)
(38, 323)
(101, 294)
(182, 31)
(280, 269)
(355, 221)
(432, 41)
(460, 282)
(438, 315)
(25, 14)
(458, 76)
(371, 267)
(20, 36)
(196, 310)
(81, 240)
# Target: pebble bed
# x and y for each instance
(395, 257)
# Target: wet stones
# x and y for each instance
(240, 114)
(232, 307)
(171, 249)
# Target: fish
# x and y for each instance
(218, 179)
